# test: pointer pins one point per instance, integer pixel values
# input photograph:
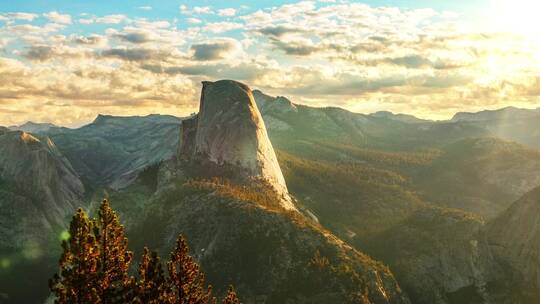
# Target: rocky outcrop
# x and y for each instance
(39, 189)
(514, 239)
(228, 137)
(439, 256)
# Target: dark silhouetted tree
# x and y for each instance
(77, 281)
(114, 258)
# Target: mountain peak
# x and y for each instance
(229, 134)
(33, 127)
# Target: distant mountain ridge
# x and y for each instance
(499, 114)
(111, 151)
(32, 127)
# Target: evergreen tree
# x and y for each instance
(231, 297)
(151, 288)
(95, 262)
(186, 278)
(77, 282)
(114, 258)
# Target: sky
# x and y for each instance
(66, 61)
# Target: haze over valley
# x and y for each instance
(281, 152)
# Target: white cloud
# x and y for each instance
(202, 10)
(108, 19)
(336, 53)
(111, 19)
(194, 20)
(18, 16)
(58, 18)
(227, 12)
(86, 21)
(145, 8)
(222, 27)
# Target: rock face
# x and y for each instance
(111, 151)
(514, 239)
(230, 132)
(38, 188)
(439, 256)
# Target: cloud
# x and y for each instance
(92, 40)
(145, 8)
(242, 71)
(137, 37)
(58, 18)
(194, 20)
(338, 53)
(19, 16)
(214, 50)
(109, 19)
(202, 10)
(279, 31)
(196, 10)
(227, 12)
(222, 27)
(40, 53)
(133, 54)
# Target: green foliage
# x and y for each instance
(152, 285)
(78, 281)
(258, 193)
(115, 258)
(231, 297)
(186, 278)
(259, 248)
(95, 263)
(348, 196)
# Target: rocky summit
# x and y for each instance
(229, 135)
(37, 185)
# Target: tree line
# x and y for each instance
(94, 268)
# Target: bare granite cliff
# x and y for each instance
(229, 135)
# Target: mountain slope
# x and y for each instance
(242, 232)
(480, 175)
(519, 125)
(514, 238)
(35, 170)
(38, 192)
(111, 151)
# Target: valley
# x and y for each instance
(405, 210)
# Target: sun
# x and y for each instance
(516, 16)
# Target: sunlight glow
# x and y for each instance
(516, 16)
(64, 235)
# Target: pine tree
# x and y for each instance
(231, 297)
(95, 262)
(186, 278)
(151, 288)
(114, 258)
(77, 282)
